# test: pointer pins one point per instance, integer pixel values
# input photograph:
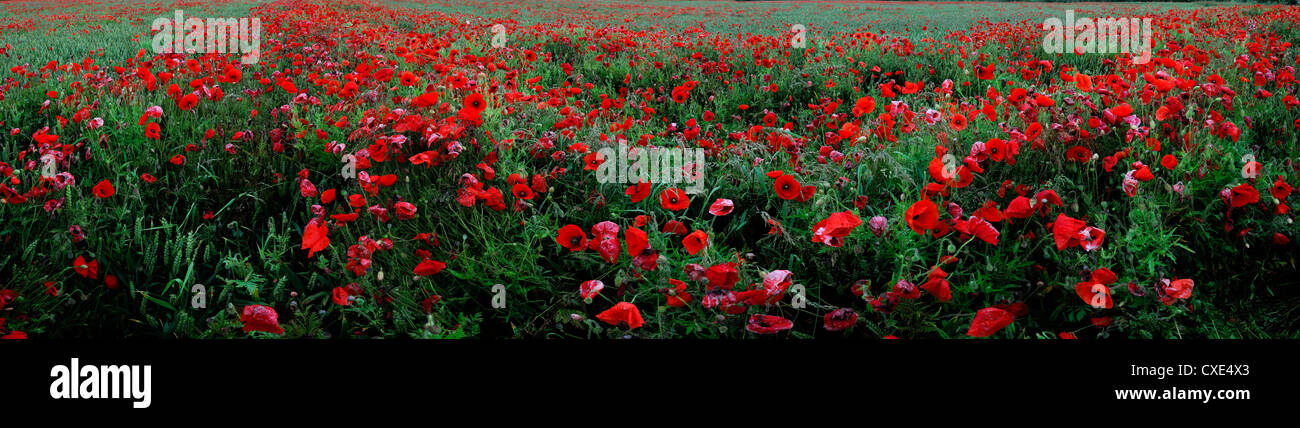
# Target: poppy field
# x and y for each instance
(821, 169)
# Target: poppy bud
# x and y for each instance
(878, 225)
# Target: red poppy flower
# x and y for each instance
(1169, 162)
(768, 324)
(1078, 154)
(7, 296)
(922, 216)
(572, 237)
(775, 283)
(470, 117)
(1242, 195)
(677, 295)
(345, 218)
(1033, 131)
(260, 318)
(989, 212)
(832, 230)
(957, 176)
(1048, 197)
(695, 242)
(1142, 172)
(989, 321)
(589, 289)
(604, 228)
(787, 187)
(674, 199)
(404, 210)
(1176, 289)
(607, 245)
(288, 86)
(1020, 207)
(648, 260)
(721, 207)
(407, 78)
(1280, 189)
(939, 287)
(622, 314)
(539, 183)
(806, 193)
(1095, 292)
(152, 131)
(839, 319)
(722, 276)
(1069, 232)
(315, 237)
(863, 106)
(522, 191)
(178, 160)
(427, 99)
(674, 227)
(475, 102)
(307, 189)
(103, 189)
(638, 191)
(340, 296)
(1121, 111)
(979, 228)
(187, 102)
(429, 267)
(86, 269)
(958, 122)
(637, 241)
(1083, 82)
(997, 149)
